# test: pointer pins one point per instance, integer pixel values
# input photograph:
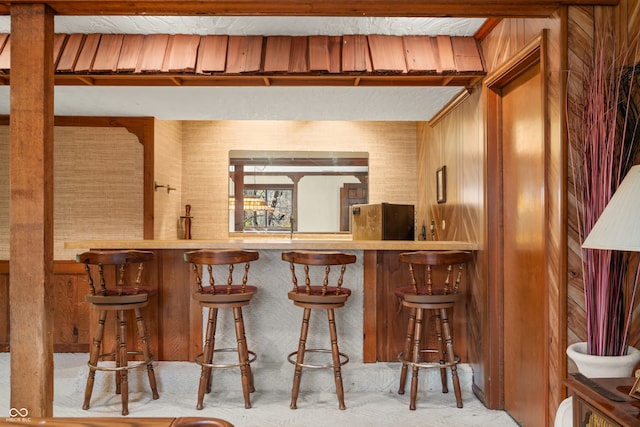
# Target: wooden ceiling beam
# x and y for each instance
(261, 80)
(409, 8)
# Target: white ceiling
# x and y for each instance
(254, 103)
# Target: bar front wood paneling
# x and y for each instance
(175, 301)
(372, 270)
(172, 315)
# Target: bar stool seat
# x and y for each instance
(314, 295)
(115, 296)
(425, 297)
(318, 297)
(229, 296)
(224, 294)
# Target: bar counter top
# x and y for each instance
(274, 242)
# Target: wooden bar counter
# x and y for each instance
(175, 322)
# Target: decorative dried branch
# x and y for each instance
(608, 131)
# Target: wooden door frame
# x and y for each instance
(533, 53)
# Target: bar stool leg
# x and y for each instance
(116, 352)
(243, 355)
(142, 333)
(252, 388)
(441, 352)
(300, 358)
(416, 359)
(124, 374)
(335, 352)
(214, 328)
(406, 354)
(207, 357)
(93, 358)
(452, 357)
(246, 353)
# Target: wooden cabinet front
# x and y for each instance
(70, 312)
(605, 403)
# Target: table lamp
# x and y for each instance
(618, 227)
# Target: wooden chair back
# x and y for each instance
(420, 270)
(209, 258)
(326, 259)
(119, 261)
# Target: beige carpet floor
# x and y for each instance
(370, 395)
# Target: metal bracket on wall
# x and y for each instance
(168, 187)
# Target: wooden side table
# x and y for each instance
(603, 402)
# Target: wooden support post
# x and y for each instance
(31, 208)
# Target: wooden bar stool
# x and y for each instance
(319, 297)
(120, 297)
(423, 296)
(214, 297)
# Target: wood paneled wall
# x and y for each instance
(205, 182)
(572, 29)
(580, 45)
(458, 140)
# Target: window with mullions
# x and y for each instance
(268, 207)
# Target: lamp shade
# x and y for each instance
(618, 227)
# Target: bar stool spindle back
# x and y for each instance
(215, 297)
(323, 297)
(118, 297)
(423, 296)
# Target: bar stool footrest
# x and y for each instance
(252, 358)
(440, 365)
(137, 365)
(344, 359)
